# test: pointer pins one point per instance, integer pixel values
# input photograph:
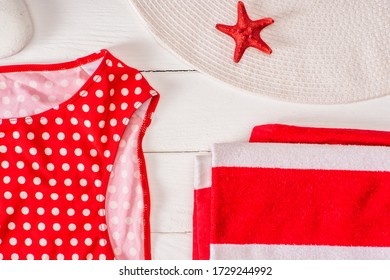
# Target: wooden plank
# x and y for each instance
(196, 111)
(171, 246)
(65, 30)
(171, 186)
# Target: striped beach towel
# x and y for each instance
(295, 193)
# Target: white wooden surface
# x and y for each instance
(194, 112)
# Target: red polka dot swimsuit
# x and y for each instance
(62, 129)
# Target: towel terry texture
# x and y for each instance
(289, 194)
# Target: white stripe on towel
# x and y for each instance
(296, 252)
(302, 156)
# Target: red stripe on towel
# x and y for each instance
(300, 207)
(279, 133)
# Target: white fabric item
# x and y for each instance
(294, 252)
(16, 27)
(202, 171)
(302, 156)
(323, 51)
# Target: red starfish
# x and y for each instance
(246, 32)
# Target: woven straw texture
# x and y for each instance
(324, 52)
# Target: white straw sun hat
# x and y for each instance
(324, 51)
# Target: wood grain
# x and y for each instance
(68, 29)
(171, 186)
(196, 111)
(174, 246)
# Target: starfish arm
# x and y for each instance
(263, 22)
(261, 45)
(239, 52)
(242, 16)
(227, 29)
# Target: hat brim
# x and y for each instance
(324, 52)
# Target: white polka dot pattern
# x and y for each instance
(56, 164)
